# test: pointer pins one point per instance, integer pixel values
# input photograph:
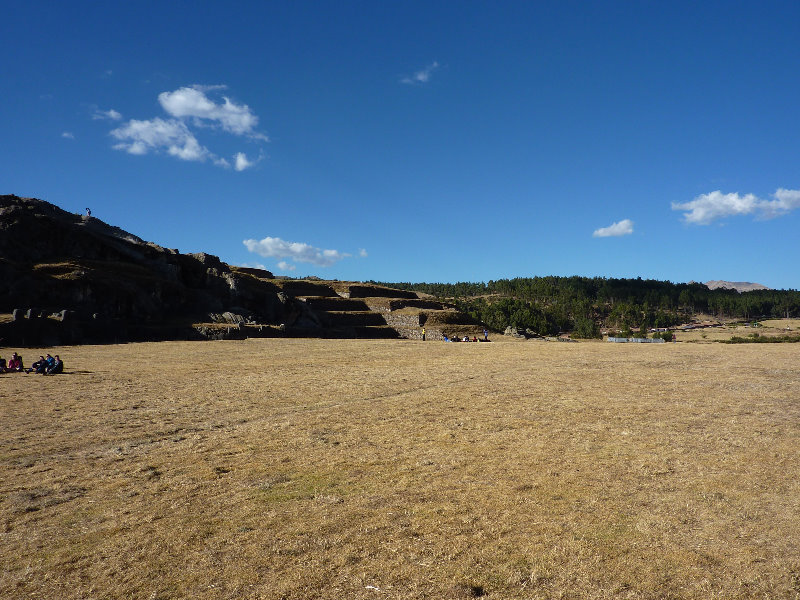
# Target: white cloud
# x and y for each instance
(188, 107)
(785, 202)
(193, 102)
(284, 266)
(172, 136)
(241, 163)
(624, 227)
(362, 253)
(271, 247)
(69, 135)
(421, 76)
(106, 115)
(706, 208)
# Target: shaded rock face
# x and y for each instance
(55, 261)
(72, 279)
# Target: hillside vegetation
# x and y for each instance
(583, 305)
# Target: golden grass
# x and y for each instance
(782, 324)
(769, 328)
(282, 468)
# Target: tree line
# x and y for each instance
(549, 305)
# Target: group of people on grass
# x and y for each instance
(456, 338)
(466, 338)
(45, 365)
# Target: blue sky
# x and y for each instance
(419, 141)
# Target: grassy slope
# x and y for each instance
(769, 328)
(317, 469)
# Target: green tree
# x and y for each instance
(586, 328)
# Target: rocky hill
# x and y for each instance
(67, 279)
(739, 286)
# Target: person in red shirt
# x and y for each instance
(14, 363)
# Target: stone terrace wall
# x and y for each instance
(403, 321)
(299, 287)
(368, 291)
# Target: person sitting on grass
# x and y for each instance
(15, 364)
(58, 367)
(35, 367)
(48, 363)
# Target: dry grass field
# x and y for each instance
(284, 468)
(768, 328)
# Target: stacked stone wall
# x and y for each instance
(307, 288)
(336, 304)
(350, 319)
(403, 321)
(368, 291)
(415, 303)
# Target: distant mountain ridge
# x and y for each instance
(739, 286)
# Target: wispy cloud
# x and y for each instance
(421, 76)
(284, 266)
(188, 108)
(362, 253)
(140, 137)
(624, 227)
(106, 115)
(271, 247)
(194, 102)
(68, 135)
(707, 208)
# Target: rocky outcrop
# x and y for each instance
(73, 279)
(522, 334)
(114, 284)
(739, 286)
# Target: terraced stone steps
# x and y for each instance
(374, 291)
(302, 288)
(383, 304)
(337, 304)
(347, 310)
(353, 319)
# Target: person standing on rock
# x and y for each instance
(423, 334)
